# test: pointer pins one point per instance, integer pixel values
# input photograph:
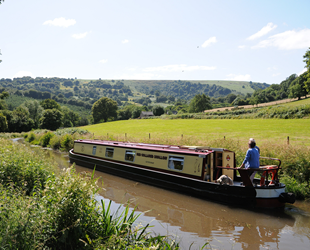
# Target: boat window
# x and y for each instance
(94, 150)
(109, 152)
(176, 162)
(130, 155)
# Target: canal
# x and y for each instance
(193, 222)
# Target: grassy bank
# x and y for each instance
(43, 210)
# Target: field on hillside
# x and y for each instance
(238, 86)
(200, 132)
(296, 103)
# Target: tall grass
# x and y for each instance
(42, 210)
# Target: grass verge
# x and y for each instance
(42, 210)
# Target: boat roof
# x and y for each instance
(154, 147)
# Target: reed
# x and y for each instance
(42, 210)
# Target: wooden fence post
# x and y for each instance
(149, 136)
(288, 140)
(125, 136)
(107, 136)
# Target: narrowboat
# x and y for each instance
(192, 170)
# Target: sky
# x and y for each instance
(243, 40)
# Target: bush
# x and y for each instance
(67, 142)
(55, 142)
(40, 210)
(31, 137)
(45, 139)
(301, 190)
(22, 168)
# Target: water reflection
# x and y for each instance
(197, 221)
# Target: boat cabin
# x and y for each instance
(190, 161)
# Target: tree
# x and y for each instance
(158, 110)
(104, 109)
(136, 112)
(50, 104)
(307, 73)
(199, 103)
(51, 119)
(297, 88)
(3, 123)
(35, 111)
(19, 120)
(4, 95)
(70, 118)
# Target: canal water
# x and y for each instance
(193, 222)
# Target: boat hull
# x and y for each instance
(235, 195)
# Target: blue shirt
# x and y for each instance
(252, 158)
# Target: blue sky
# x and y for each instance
(260, 41)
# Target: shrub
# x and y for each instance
(55, 142)
(300, 189)
(31, 137)
(41, 210)
(67, 142)
(45, 139)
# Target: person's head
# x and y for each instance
(252, 143)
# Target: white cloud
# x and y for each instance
(234, 77)
(276, 74)
(265, 30)
(23, 73)
(287, 40)
(80, 36)
(125, 41)
(209, 42)
(103, 61)
(61, 22)
(177, 67)
(241, 46)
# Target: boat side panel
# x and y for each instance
(228, 194)
(193, 164)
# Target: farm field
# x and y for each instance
(202, 131)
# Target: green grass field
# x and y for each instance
(297, 103)
(203, 131)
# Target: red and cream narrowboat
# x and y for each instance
(192, 170)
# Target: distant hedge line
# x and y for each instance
(280, 112)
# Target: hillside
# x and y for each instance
(294, 102)
(213, 88)
(83, 93)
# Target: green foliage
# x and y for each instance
(104, 109)
(22, 168)
(51, 119)
(19, 120)
(71, 131)
(40, 210)
(199, 103)
(306, 75)
(31, 137)
(3, 123)
(301, 190)
(50, 104)
(158, 110)
(45, 139)
(35, 111)
(67, 142)
(4, 95)
(69, 118)
(55, 142)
